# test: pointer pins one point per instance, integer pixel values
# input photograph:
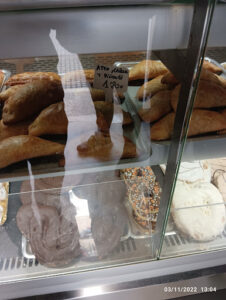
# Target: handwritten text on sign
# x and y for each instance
(109, 78)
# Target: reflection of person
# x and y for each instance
(83, 112)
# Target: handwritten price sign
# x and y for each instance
(111, 78)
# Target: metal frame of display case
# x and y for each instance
(150, 275)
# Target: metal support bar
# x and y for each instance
(202, 15)
(174, 59)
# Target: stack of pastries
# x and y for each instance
(160, 97)
(27, 96)
(33, 106)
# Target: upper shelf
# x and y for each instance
(39, 4)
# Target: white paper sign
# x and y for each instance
(111, 78)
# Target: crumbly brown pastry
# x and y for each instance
(29, 99)
(21, 147)
(97, 95)
(143, 194)
(53, 237)
(127, 119)
(148, 68)
(52, 120)
(1, 78)
(169, 78)
(70, 78)
(202, 121)
(104, 112)
(150, 88)
(9, 93)
(211, 67)
(26, 77)
(156, 107)
(13, 129)
(4, 195)
(96, 143)
(209, 94)
(209, 72)
(100, 144)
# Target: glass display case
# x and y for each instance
(112, 141)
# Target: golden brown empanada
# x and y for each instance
(26, 77)
(13, 130)
(127, 119)
(202, 121)
(150, 88)
(8, 93)
(100, 145)
(97, 95)
(21, 147)
(29, 99)
(209, 72)
(104, 112)
(156, 107)
(52, 120)
(211, 67)
(70, 78)
(148, 68)
(1, 78)
(209, 94)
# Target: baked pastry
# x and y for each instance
(143, 194)
(209, 94)
(26, 77)
(29, 99)
(4, 194)
(127, 119)
(202, 121)
(71, 78)
(104, 112)
(156, 107)
(198, 210)
(53, 237)
(9, 93)
(52, 120)
(21, 147)
(13, 129)
(150, 88)
(147, 69)
(100, 145)
(1, 78)
(196, 171)
(207, 66)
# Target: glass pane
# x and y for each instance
(197, 219)
(79, 96)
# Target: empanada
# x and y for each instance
(150, 88)
(30, 98)
(209, 72)
(13, 130)
(209, 94)
(1, 78)
(202, 121)
(156, 107)
(8, 93)
(104, 112)
(211, 67)
(147, 69)
(71, 78)
(52, 120)
(26, 77)
(21, 147)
